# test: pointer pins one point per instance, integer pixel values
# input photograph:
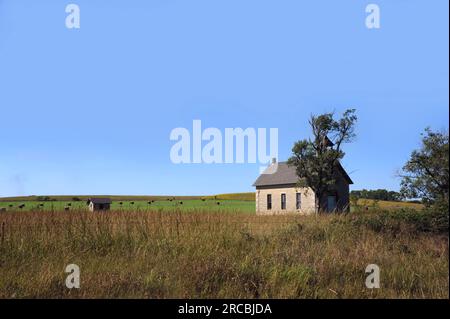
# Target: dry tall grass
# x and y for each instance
(201, 254)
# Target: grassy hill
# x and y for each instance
(383, 204)
(231, 196)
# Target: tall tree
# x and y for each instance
(425, 175)
(316, 159)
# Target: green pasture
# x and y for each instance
(216, 204)
(244, 202)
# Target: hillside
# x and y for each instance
(383, 204)
(233, 196)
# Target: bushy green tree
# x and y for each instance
(315, 159)
(425, 175)
(378, 194)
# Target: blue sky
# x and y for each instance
(90, 111)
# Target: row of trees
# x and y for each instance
(377, 194)
(425, 175)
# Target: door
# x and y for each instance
(331, 203)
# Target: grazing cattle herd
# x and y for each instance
(105, 204)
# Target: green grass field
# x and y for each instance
(139, 205)
(244, 202)
(67, 198)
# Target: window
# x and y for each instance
(269, 201)
(298, 200)
(283, 201)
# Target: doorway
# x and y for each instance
(331, 203)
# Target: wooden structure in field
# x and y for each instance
(99, 204)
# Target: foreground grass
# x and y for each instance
(213, 254)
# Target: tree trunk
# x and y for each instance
(318, 202)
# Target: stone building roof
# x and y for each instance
(283, 174)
